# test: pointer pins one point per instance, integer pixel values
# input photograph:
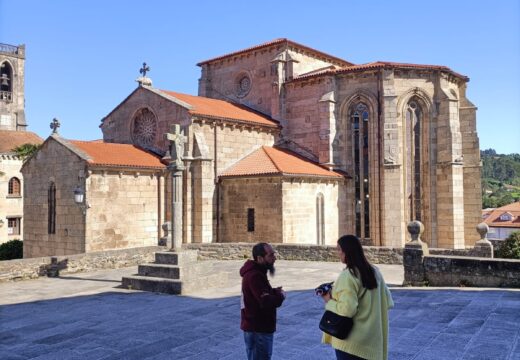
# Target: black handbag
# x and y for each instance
(337, 325)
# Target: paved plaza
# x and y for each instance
(87, 316)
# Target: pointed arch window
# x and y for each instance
(414, 118)
(14, 188)
(6, 82)
(51, 206)
(360, 145)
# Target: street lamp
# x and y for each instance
(79, 199)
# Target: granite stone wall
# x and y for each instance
(237, 251)
(22, 269)
(467, 271)
(471, 267)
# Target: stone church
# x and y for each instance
(13, 133)
(283, 143)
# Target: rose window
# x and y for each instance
(145, 128)
(243, 86)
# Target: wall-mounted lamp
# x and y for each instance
(79, 199)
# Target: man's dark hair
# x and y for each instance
(259, 250)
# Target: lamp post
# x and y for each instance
(79, 199)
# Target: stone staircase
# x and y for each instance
(176, 273)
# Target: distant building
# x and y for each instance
(12, 135)
(502, 221)
(283, 143)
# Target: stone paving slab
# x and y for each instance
(85, 316)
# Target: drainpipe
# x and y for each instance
(217, 186)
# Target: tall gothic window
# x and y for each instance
(320, 221)
(360, 142)
(51, 206)
(414, 119)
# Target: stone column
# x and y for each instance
(392, 181)
(472, 166)
(176, 206)
(450, 184)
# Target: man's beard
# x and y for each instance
(271, 269)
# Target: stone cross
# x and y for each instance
(144, 69)
(177, 141)
(176, 166)
(55, 124)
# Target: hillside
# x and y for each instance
(500, 178)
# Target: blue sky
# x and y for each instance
(83, 56)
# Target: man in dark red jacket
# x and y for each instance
(259, 302)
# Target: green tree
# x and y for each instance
(510, 249)
(12, 249)
(26, 150)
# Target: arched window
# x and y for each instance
(51, 205)
(6, 81)
(14, 188)
(412, 138)
(320, 221)
(360, 143)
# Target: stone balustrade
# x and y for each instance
(479, 269)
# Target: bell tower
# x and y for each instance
(12, 92)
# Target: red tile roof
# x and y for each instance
(493, 219)
(222, 109)
(117, 155)
(331, 58)
(11, 139)
(276, 161)
(380, 65)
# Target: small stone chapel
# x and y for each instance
(283, 143)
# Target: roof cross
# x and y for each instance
(55, 124)
(144, 69)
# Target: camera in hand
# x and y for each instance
(323, 289)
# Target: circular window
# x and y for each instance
(243, 85)
(144, 128)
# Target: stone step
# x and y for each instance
(176, 258)
(186, 272)
(154, 284)
(159, 270)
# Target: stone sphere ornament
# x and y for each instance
(415, 228)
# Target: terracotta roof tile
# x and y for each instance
(222, 109)
(276, 42)
(493, 219)
(276, 161)
(110, 154)
(11, 139)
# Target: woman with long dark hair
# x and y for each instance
(360, 293)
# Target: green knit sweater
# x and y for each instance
(369, 336)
